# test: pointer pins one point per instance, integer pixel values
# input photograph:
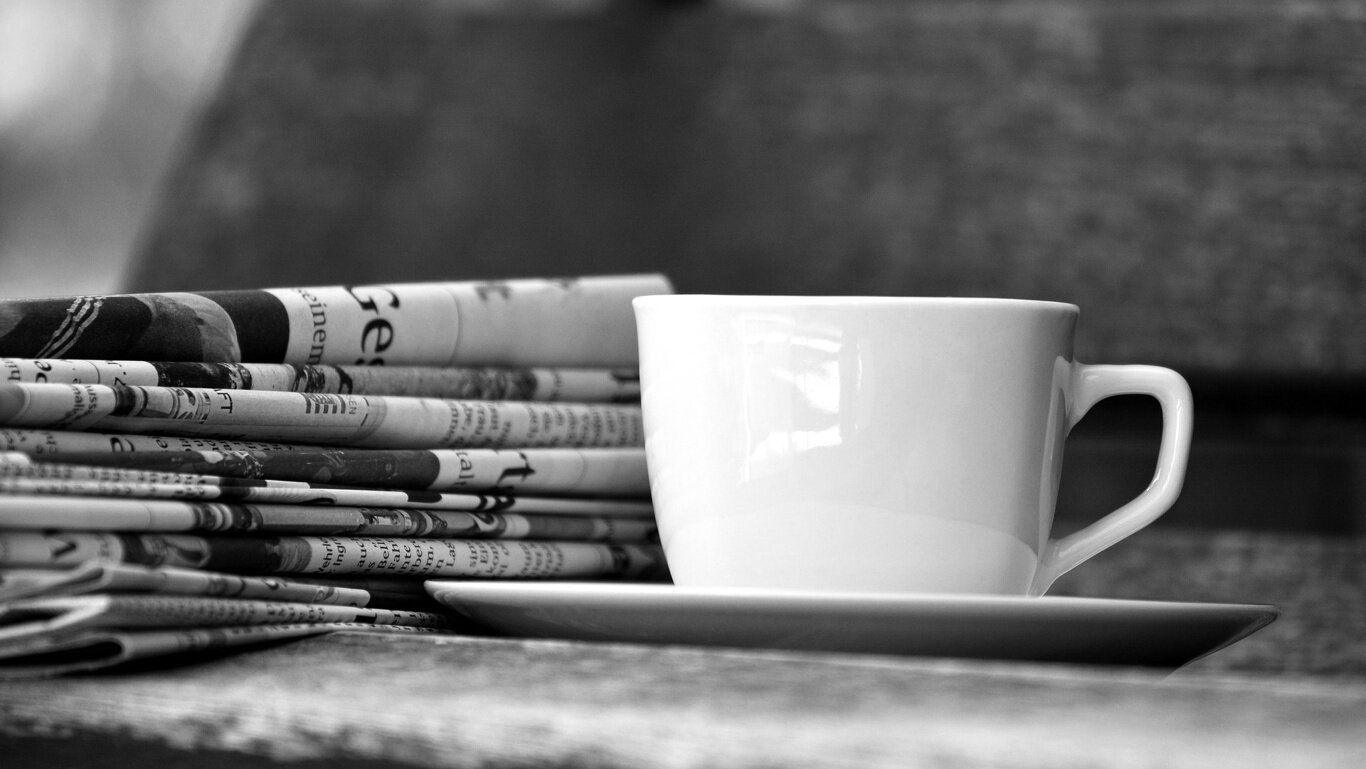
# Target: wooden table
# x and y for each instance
(360, 700)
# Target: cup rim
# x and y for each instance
(815, 300)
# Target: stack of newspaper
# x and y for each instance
(184, 471)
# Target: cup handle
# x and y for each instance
(1090, 385)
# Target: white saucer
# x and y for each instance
(1055, 629)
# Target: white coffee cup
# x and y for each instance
(877, 443)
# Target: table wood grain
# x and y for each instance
(348, 700)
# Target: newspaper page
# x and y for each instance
(394, 556)
(364, 421)
(39, 512)
(107, 577)
(40, 443)
(516, 384)
(29, 617)
(315, 497)
(568, 322)
(600, 472)
(15, 464)
(84, 651)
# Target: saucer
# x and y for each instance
(1045, 629)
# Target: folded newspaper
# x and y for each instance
(97, 615)
(362, 421)
(99, 648)
(110, 577)
(184, 473)
(533, 322)
(607, 472)
(584, 385)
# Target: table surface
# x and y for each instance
(357, 700)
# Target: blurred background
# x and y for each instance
(1190, 174)
(95, 99)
